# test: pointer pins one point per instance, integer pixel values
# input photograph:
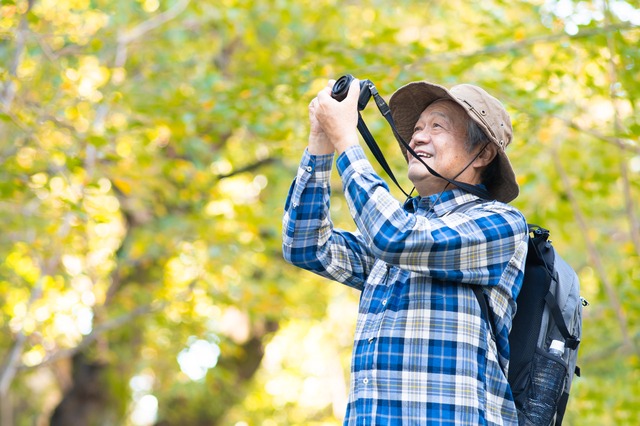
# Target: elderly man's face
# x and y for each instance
(439, 138)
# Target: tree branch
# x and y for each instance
(517, 45)
(112, 324)
(248, 168)
(125, 38)
(604, 352)
(12, 364)
(96, 332)
(623, 144)
(634, 222)
(593, 251)
(617, 130)
(21, 41)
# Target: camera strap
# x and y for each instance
(377, 153)
(478, 191)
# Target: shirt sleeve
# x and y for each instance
(309, 239)
(473, 247)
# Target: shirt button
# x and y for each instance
(384, 302)
(365, 381)
(309, 169)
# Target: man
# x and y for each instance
(422, 353)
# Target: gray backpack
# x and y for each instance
(545, 335)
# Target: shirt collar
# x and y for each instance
(439, 203)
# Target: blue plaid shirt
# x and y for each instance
(422, 352)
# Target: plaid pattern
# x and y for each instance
(422, 352)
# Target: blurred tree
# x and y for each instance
(148, 147)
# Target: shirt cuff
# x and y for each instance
(313, 170)
(320, 163)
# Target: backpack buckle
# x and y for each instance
(572, 342)
(538, 231)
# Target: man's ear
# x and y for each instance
(486, 156)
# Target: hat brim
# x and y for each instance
(408, 103)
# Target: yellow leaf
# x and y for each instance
(124, 185)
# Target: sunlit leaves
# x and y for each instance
(149, 172)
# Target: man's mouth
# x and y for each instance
(424, 155)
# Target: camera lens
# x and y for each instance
(341, 87)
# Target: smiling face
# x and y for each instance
(440, 139)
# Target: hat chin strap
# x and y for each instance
(475, 157)
(473, 189)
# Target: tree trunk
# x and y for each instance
(86, 402)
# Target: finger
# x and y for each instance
(353, 94)
(329, 87)
(323, 95)
(354, 89)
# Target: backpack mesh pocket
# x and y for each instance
(548, 375)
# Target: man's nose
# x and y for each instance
(421, 137)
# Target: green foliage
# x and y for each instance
(147, 151)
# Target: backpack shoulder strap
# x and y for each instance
(541, 237)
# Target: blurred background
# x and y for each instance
(146, 150)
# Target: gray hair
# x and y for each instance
(476, 138)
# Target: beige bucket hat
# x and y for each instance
(408, 102)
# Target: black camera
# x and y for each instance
(341, 88)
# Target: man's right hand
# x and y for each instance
(319, 143)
